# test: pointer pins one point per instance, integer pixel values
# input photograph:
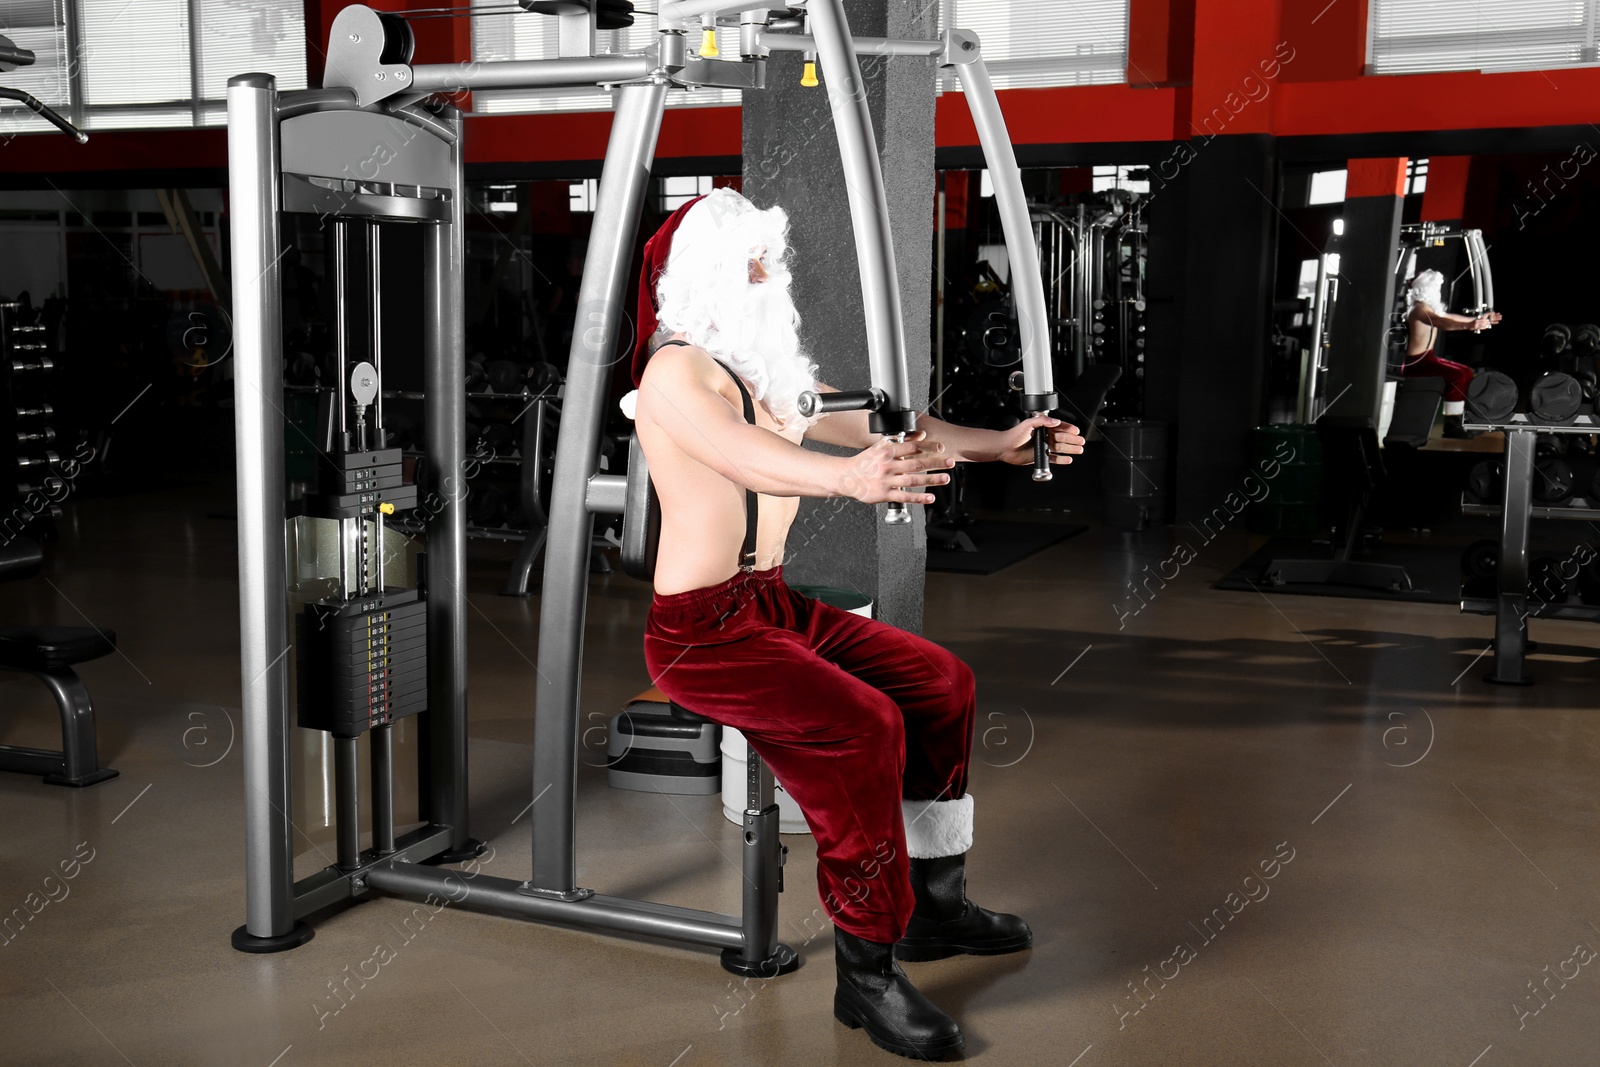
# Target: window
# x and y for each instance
(676, 192)
(584, 195)
(1119, 178)
(1327, 187)
(1025, 43)
(1416, 176)
(1414, 36)
(526, 35)
(1031, 43)
(109, 64)
(1307, 286)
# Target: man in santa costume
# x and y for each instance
(867, 726)
(1425, 317)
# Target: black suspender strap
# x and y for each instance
(752, 516)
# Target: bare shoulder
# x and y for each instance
(680, 370)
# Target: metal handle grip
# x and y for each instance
(813, 403)
(1041, 454)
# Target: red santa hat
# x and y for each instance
(656, 251)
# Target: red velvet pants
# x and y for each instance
(851, 714)
(1457, 376)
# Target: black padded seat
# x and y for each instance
(51, 648)
(683, 714)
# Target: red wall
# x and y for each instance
(1196, 68)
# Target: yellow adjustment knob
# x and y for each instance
(387, 508)
(809, 78)
(708, 44)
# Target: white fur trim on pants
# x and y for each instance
(937, 828)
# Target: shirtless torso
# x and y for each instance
(702, 511)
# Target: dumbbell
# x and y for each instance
(1480, 569)
(498, 438)
(1491, 397)
(1546, 580)
(1486, 481)
(1555, 399)
(1556, 340)
(505, 376)
(1553, 481)
(1589, 381)
(477, 379)
(1586, 340)
(544, 377)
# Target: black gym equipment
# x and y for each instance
(1486, 481)
(1553, 481)
(1480, 568)
(1555, 399)
(1492, 397)
(1352, 469)
(1549, 579)
(1556, 340)
(49, 653)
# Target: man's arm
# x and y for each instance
(1444, 320)
(681, 394)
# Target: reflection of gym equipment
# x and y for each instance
(49, 653)
(1415, 238)
(293, 152)
(1352, 465)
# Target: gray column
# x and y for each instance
(791, 159)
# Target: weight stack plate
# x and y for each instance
(361, 663)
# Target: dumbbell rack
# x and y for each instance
(1510, 606)
(27, 358)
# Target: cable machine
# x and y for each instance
(372, 149)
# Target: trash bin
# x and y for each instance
(1134, 473)
(1288, 459)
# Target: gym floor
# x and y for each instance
(1246, 829)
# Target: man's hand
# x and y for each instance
(1483, 322)
(892, 471)
(1015, 446)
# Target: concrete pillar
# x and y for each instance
(791, 158)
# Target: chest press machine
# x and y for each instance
(375, 148)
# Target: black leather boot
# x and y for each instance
(1453, 427)
(945, 922)
(874, 994)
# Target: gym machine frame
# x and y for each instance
(307, 151)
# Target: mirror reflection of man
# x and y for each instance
(1425, 317)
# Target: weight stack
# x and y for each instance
(362, 663)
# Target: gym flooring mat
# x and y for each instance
(1435, 571)
(1000, 543)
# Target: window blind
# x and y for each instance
(41, 26)
(1418, 36)
(149, 63)
(1033, 43)
(1025, 43)
(532, 36)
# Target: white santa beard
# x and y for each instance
(752, 327)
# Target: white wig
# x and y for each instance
(1426, 288)
(705, 293)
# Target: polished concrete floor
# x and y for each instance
(1246, 828)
